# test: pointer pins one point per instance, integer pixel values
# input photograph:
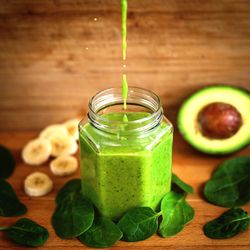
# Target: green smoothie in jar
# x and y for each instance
(125, 163)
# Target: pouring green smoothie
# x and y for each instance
(126, 147)
(124, 5)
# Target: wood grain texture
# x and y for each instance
(54, 56)
(191, 166)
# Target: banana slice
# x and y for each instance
(72, 127)
(52, 129)
(62, 144)
(64, 165)
(37, 184)
(74, 148)
(36, 151)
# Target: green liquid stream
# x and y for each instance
(124, 55)
(124, 28)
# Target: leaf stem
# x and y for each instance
(159, 214)
(242, 218)
(4, 228)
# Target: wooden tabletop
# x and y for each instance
(193, 167)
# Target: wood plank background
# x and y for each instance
(54, 56)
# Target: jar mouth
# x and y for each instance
(138, 98)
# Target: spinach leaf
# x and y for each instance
(9, 203)
(103, 233)
(176, 212)
(70, 187)
(229, 224)
(229, 185)
(27, 232)
(177, 184)
(73, 216)
(138, 223)
(7, 162)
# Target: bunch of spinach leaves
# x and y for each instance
(24, 231)
(229, 187)
(75, 217)
(10, 205)
(142, 222)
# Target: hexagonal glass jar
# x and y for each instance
(125, 163)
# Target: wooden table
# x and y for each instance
(191, 166)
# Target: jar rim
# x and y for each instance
(132, 88)
(113, 96)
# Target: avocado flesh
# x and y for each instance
(190, 129)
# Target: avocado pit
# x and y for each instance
(219, 120)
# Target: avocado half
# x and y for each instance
(190, 127)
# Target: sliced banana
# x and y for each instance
(72, 127)
(52, 129)
(64, 165)
(74, 148)
(37, 184)
(62, 144)
(36, 151)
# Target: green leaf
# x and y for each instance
(229, 185)
(7, 163)
(138, 224)
(177, 184)
(229, 224)
(73, 216)
(70, 187)
(103, 233)
(27, 232)
(176, 212)
(9, 203)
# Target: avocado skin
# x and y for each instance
(208, 149)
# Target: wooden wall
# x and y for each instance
(54, 56)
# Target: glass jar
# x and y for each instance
(125, 163)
